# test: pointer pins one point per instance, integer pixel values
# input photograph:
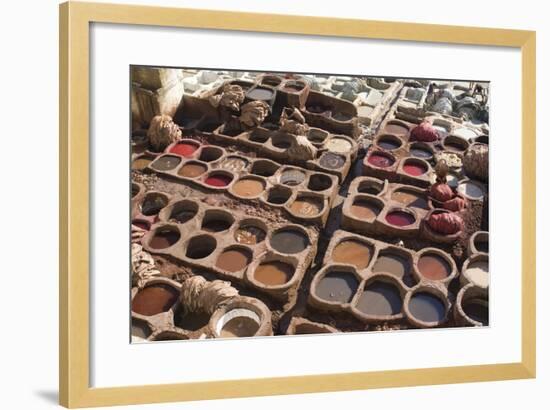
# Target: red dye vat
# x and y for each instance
(184, 149)
(414, 169)
(399, 218)
(142, 224)
(381, 161)
(218, 180)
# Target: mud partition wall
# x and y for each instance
(271, 204)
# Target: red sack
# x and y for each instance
(441, 192)
(456, 204)
(445, 223)
(424, 132)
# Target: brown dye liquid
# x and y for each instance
(289, 241)
(250, 235)
(274, 273)
(166, 163)
(248, 187)
(306, 206)
(240, 326)
(393, 264)
(192, 170)
(154, 299)
(164, 238)
(233, 260)
(141, 163)
(433, 267)
(409, 198)
(427, 307)
(337, 287)
(396, 129)
(380, 299)
(365, 210)
(477, 310)
(353, 252)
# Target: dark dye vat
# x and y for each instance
(141, 224)
(477, 310)
(216, 224)
(332, 161)
(320, 109)
(319, 182)
(289, 241)
(427, 307)
(154, 299)
(164, 238)
(482, 246)
(380, 299)
(393, 264)
(338, 286)
(193, 320)
(200, 247)
(184, 149)
(218, 180)
(182, 215)
(152, 204)
(278, 196)
(400, 218)
(380, 161)
(166, 163)
(341, 116)
(454, 146)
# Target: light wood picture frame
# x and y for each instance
(74, 284)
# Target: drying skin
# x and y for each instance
(231, 98)
(143, 266)
(301, 148)
(200, 295)
(476, 162)
(254, 113)
(162, 132)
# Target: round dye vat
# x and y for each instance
(366, 210)
(216, 224)
(478, 273)
(240, 326)
(414, 169)
(339, 145)
(400, 218)
(464, 133)
(471, 190)
(248, 187)
(234, 164)
(166, 163)
(420, 153)
(396, 128)
(200, 247)
(182, 215)
(454, 146)
(218, 180)
(368, 187)
(307, 206)
(331, 160)
(353, 252)
(393, 264)
(388, 144)
(292, 177)
(289, 241)
(141, 224)
(481, 245)
(316, 136)
(141, 163)
(433, 266)
(209, 154)
(410, 198)
(192, 170)
(477, 309)
(152, 204)
(164, 238)
(278, 196)
(426, 307)
(154, 299)
(442, 131)
(319, 182)
(274, 273)
(184, 149)
(234, 260)
(380, 160)
(250, 235)
(338, 286)
(320, 109)
(380, 299)
(262, 94)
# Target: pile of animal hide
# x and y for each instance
(162, 132)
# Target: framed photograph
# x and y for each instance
(258, 204)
